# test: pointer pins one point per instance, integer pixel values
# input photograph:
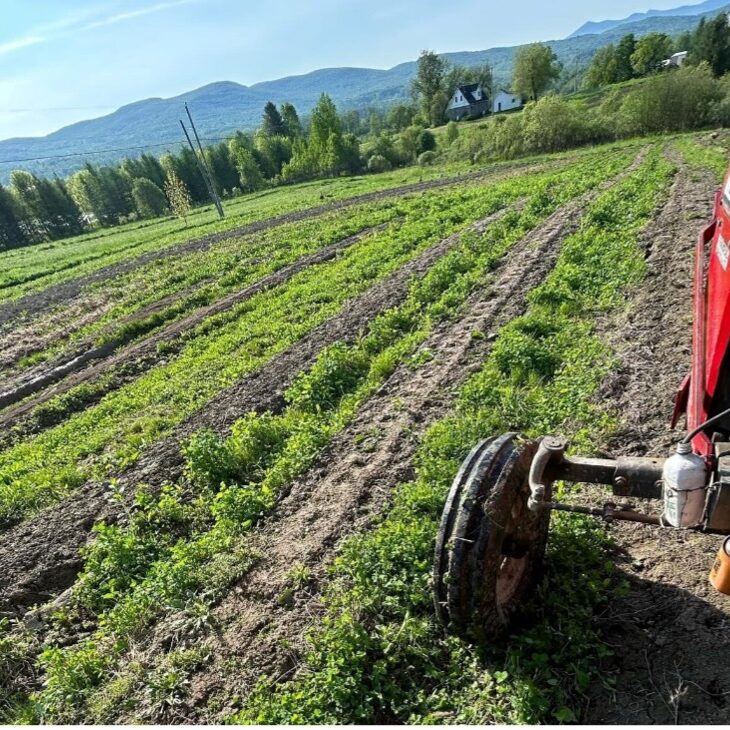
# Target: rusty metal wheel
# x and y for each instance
(490, 546)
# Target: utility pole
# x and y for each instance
(211, 182)
(202, 172)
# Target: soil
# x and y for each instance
(36, 303)
(261, 627)
(31, 552)
(670, 634)
(73, 372)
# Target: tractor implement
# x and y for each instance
(494, 528)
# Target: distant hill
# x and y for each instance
(223, 107)
(709, 6)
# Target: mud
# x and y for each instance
(670, 634)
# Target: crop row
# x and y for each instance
(704, 156)
(169, 288)
(36, 267)
(377, 652)
(185, 547)
(229, 345)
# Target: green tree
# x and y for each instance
(400, 116)
(428, 86)
(603, 69)
(673, 102)
(290, 120)
(272, 121)
(650, 51)
(535, 68)
(452, 133)
(624, 50)
(12, 234)
(249, 172)
(274, 152)
(149, 200)
(711, 43)
(178, 196)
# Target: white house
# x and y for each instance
(676, 59)
(467, 102)
(505, 100)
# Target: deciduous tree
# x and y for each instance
(536, 67)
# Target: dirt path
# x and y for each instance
(261, 627)
(41, 301)
(670, 633)
(74, 372)
(39, 557)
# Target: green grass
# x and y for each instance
(708, 156)
(377, 655)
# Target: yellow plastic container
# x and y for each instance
(720, 573)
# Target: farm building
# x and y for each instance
(504, 101)
(467, 102)
(676, 59)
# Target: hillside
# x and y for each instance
(591, 27)
(222, 107)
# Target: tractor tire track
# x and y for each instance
(39, 557)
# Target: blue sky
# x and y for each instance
(66, 60)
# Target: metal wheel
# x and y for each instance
(490, 546)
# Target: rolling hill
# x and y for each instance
(223, 107)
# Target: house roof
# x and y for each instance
(467, 91)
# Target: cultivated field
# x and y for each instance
(226, 447)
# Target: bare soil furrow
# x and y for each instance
(670, 632)
(71, 371)
(37, 302)
(261, 626)
(31, 552)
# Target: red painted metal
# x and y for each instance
(711, 329)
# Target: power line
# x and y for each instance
(99, 152)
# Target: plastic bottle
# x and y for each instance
(684, 478)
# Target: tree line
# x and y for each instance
(633, 58)
(35, 208)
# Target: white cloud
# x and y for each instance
(79, 24)
(18, 43)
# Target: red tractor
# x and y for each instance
(494, 527)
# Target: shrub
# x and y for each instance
(378, 163)
(426, 158)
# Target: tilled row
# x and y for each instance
(41, 301)
(38, 558)
(73, 372)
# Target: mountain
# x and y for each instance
(709, 6)
(223, 107)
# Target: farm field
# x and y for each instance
(226, 448)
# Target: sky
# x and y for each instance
(66, 60)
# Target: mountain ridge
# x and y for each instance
(597, 27)
(222, 107)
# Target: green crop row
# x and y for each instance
(37, 267)
(704, 156)
(112, 433)
(201, 278)
(184, 547)
(378, 655)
